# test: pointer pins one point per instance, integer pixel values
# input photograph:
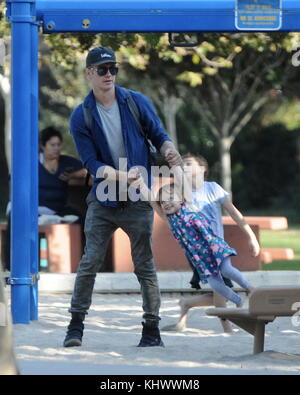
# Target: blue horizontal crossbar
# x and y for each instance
(149, 16)
(19, 281)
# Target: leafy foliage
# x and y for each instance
(202, 78)
(267, 168)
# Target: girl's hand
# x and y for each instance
(254, 247)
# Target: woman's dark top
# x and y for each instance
(53, 192)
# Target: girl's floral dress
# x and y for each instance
(205, 249)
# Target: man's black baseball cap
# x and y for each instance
(100, 55)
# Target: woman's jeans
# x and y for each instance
(136, 219)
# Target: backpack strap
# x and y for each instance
(137, 116)
(87, 117)
(135, 112)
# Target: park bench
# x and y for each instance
(269, 255)
(265, 304)
(271, 223)
(63, 245)
(63, 248)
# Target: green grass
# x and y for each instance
(289, 238)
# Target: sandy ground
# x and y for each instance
(113, 330)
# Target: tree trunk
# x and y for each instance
(171, 104)
(225, 161)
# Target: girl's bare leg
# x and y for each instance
(220, 301)
(186, 304)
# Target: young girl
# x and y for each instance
(201, 197)
(208, 198)
(194, 230)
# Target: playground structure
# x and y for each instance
(26, 17)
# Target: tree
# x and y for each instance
(157, 83)
(163, 71)
(267, 168)
(229, 97)
(227, 90)
(232, 75)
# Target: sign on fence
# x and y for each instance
(258, 14)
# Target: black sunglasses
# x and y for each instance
(102, 70)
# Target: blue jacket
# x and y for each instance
(92, 145)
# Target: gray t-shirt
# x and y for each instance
(207, 201)
(112, 128)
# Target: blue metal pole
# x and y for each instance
(34, 173)
(21, 214)
(166, 15)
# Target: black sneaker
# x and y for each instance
(150, 336)
(75, 331)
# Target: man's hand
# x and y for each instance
(138, 183)
(173, 157)
(133, 175)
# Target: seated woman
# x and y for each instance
(56, 172)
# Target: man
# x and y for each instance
(109, 147)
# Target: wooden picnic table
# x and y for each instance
(271, 223)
